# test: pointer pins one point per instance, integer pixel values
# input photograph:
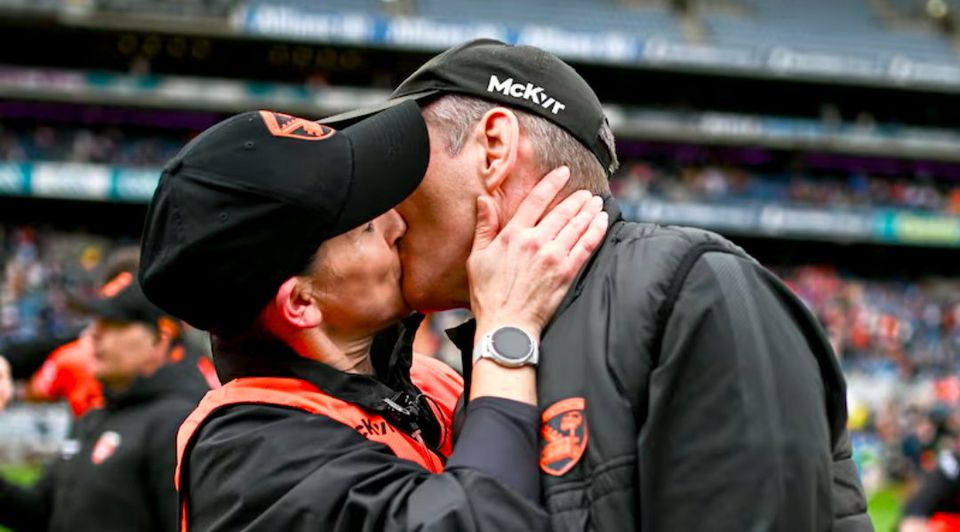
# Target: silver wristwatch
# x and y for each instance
(508, 346)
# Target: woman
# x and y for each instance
(297, 276)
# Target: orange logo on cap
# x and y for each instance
(116, 285)
(281, 125)
(563, 436)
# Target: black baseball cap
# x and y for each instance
(122, 299)
(246, 204)
(524, 77)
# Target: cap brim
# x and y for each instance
(349, 118)
(101, 308)
(391, 151)
(128, 305)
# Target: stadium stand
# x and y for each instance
(853, 28)
(42, 269)
(711, 182)
(850, 27)
(877, 325)
(897, 327)
(641, 178)
(605, 15)
(110, 145)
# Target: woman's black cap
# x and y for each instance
(246, 204)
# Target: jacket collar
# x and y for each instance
(389, 392)
(612, 208)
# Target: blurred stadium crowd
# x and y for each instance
(82, 145)
(641, 179)
(637, 179)
(907, 329)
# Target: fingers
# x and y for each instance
(588, 242)
(570, 233)
(536, 202)
(560, 216)
(487, 223)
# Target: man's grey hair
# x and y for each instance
(455, 116)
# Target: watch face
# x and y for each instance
(511, 343)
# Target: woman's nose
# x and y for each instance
(396, 227)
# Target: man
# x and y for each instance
(683, 387)
(67, 371)
(116, 472)
(61, 367)
(935, 506)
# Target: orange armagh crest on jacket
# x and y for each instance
(563, 436)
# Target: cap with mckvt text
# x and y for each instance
(524, 77)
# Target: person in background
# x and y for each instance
(66, 371)
(116, 470)
(935, 506)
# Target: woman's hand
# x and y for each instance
(520, 273)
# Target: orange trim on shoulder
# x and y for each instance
(300, 394)
(443, 386)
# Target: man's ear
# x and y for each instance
(295, 304)
(500, 140)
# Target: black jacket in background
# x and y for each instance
(939, 490)
(132, 486)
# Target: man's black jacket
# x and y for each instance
(116, 471)
(700, 391)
